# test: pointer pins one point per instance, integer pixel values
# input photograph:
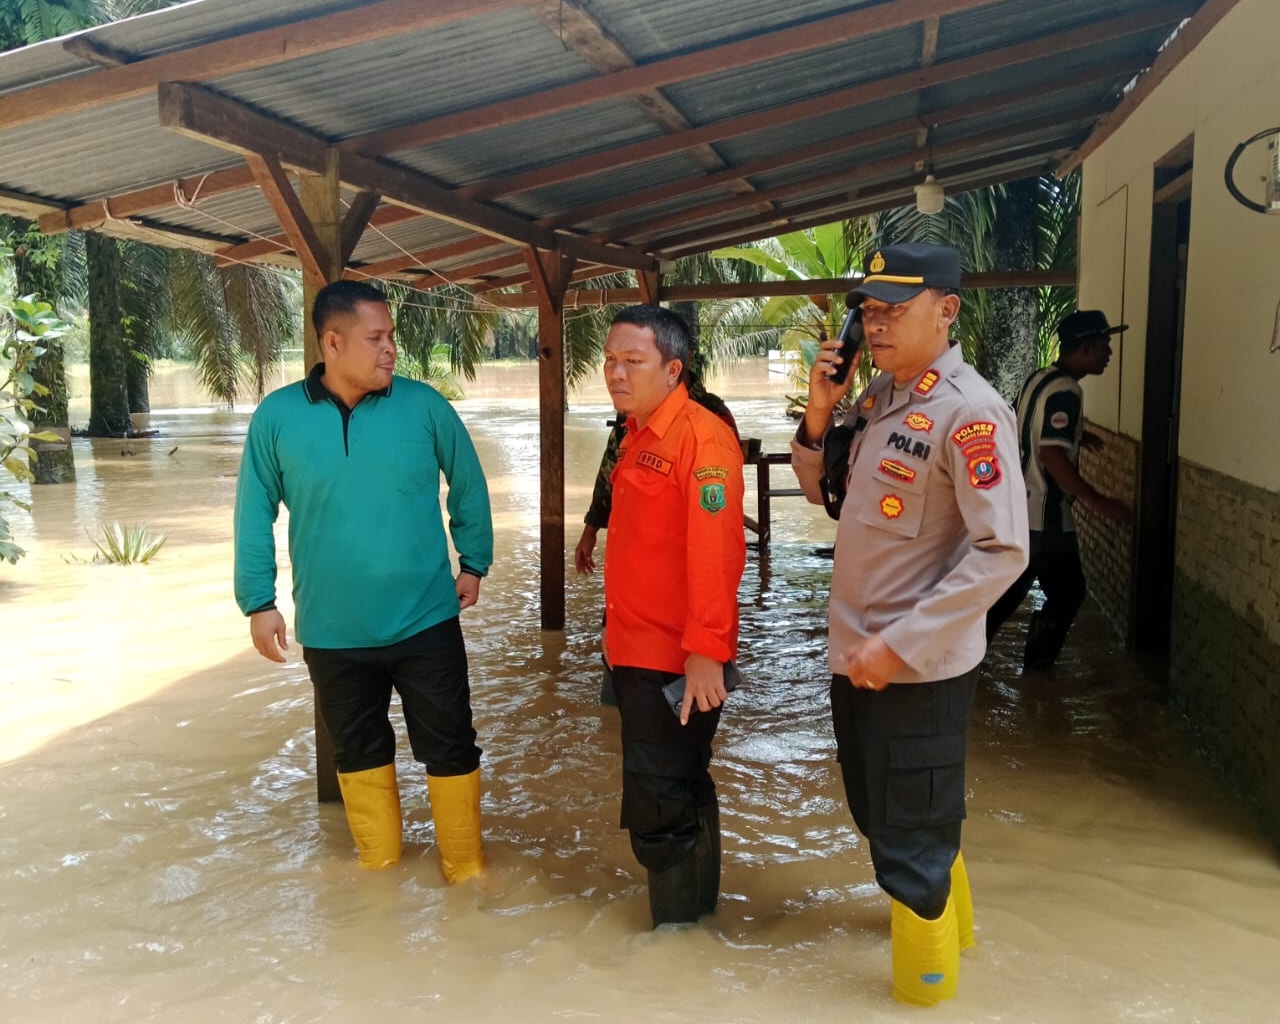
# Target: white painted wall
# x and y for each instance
(1224, 91)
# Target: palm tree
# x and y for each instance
(1026, 225)
(798, 323)
(1006, 333)
(30, 21)
(441, 333)
(965, 223)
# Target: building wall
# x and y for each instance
(1106, 550)
(1225, 662)
(1225, 656)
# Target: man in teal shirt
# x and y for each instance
(355, 454)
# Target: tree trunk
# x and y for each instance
(1007, 356)
(108, 353)
(55, 461)
(138, 384)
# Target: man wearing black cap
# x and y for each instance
(932, 531)
(1050, 435)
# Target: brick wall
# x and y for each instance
(1224, 671)
(1106, 550)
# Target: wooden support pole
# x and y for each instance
(650, 282)
(319, 200)
(320, 203)
(551, 272)
(277, 188)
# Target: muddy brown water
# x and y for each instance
(162, 856)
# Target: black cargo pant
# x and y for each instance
(665, 777)
(428, 670)
(902, 753)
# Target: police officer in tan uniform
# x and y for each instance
(931, 533)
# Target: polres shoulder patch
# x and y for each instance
(979, 430)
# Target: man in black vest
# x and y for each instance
(1050, 435)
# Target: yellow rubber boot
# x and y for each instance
(963, 900)
(372, 801)
(455, 806)
(926, 956)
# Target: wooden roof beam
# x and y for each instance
(586, 37)
(884, 199)
(199, 113)
(849, 179)
(1169, 58)
(359, 216)
(94, 52)
(19, 204)
(859, 23)
(423, 258)
(147, 200)
(867, 137)
(246, 252)
(274, 45)
(824, 106)
(278, 189)
(827, 209)
(468, 275)
(770, 289)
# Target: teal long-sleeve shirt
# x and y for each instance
(362, 486)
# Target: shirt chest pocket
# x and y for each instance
(892, 496)
(644, 482)
(416, 466)
(645, 497)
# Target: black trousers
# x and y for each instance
(665, 777)
(1055, 562)
(429, 671)
(902, 753)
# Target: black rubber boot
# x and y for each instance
(673, 893)
(708, 856)
(1045, 637)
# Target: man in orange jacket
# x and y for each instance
(673, 562)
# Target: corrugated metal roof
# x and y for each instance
(660, 28)
(514, 56)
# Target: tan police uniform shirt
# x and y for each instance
(934, 527)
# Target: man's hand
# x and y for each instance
(584, 554)
(704, 683)
(1091, 442)
(468, 588)
(823, 394)
(267, 630)
(871, 663)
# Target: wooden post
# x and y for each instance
(650, 282)
(551, 271)
(320, 199)
(320, 202)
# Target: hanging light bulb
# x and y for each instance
(929, 195)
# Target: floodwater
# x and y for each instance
(162, 856)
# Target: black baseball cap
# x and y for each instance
(1086, 325)
(898, 273)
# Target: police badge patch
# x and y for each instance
(984, 470)
(711, 498)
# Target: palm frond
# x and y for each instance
(203, 325)
(448, 316)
